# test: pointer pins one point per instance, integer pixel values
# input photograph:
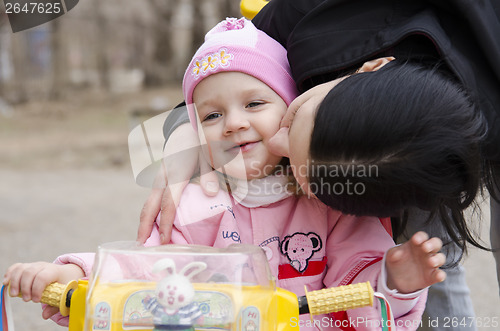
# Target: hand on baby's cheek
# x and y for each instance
(279, 143)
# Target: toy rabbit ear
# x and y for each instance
(194, 268)
(164, 264)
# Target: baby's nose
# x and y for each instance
(235, 123)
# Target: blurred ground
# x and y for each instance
(66, 186)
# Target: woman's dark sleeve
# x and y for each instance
(279, 17)
(177, 117)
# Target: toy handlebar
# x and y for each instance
(59, 295)
(315, 302)
(331, 300)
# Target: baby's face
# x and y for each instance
(238, 115)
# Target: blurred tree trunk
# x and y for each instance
(58, 60)
(198, 29)
(101, 44)
(3, 22)
(19, 93)
(162, 67)
(229, 8)
(226, 8)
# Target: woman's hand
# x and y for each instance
(313, 96)
(279, 144)
(182, 159)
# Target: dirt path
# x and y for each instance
(45, 214)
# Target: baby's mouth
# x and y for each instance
(244, 147)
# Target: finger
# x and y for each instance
(26, 282)
(279, 144)
(170, 201)
(439, 275)
(149, 212)
(292, 110)
(49, 311)
(433, 245)
(21, 280)
(7, 277)
(419, 238)
(394, 254)
(208, 178)
(209, 183)
(161, 181)
(14, 274)
(44, 278)
(167, 216)
(437, 261)
(314, 96)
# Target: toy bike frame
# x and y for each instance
(226, 299)
(273, 309)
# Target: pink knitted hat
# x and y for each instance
(237, 45)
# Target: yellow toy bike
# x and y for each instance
(177, 287)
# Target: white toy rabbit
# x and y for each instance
(172, 307)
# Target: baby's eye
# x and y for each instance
(212, 116)
(254, 104)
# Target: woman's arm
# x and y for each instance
(182, 159)
(280, 17)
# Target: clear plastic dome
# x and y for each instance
(166, 287)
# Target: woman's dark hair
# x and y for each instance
(404, 136)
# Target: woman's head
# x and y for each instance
(237, 88)
(403, 136)
(381, 141)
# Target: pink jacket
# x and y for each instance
(306, 243)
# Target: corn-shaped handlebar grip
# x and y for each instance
(56, 295)
(340, 298)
